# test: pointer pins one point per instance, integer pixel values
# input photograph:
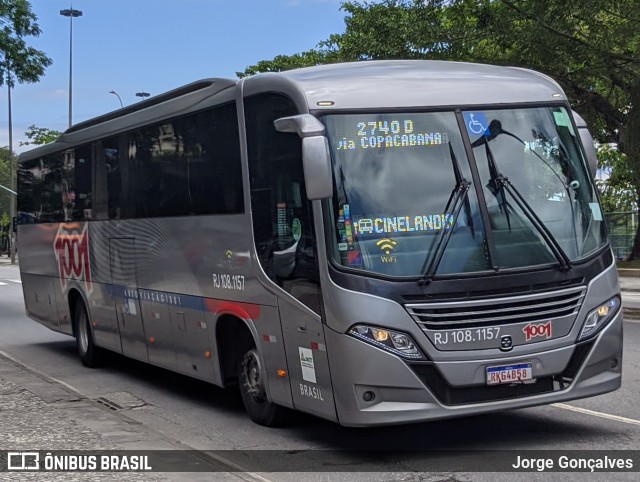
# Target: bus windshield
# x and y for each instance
(406, 204)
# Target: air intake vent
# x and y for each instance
(498, 311)
(449, 395)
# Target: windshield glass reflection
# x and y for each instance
(396, 175)
(405, 204)
(536, 151)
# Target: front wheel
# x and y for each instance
(251, 379)
(90, 355)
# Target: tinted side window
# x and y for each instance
(76, 184)
(185, 166)
(40, 190)
(110, 154)
(282, 216)
(29, 191)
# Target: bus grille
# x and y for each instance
(448, 395)
(498, 311)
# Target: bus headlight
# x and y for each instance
(598, 317)
(392, 341)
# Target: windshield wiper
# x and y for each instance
(496, 188)
(459, 180)
(499, 130)
(458, 198)
(502, 183)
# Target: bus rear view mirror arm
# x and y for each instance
(305, 125)
(316, 159)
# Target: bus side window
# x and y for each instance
(281, 213)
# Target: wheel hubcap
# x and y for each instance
(253, 376)
(83, 335)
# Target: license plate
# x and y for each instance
(509, 374)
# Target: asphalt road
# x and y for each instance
(205, 417)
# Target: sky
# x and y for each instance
(153, 46)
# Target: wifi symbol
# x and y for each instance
(387, 245)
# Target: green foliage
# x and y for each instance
(40, 135)
(4, 180)
(615, 181)
(18, 61)
(412, 29)
(5, 223)
(288, 62)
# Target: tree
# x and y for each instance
(395, 29)
(288, 62)
(17, 59)
(40, 135)
(615, 181)
(4, 196)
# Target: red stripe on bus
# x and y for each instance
(243, 310)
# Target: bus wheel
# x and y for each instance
(252, 390)
(90, 354)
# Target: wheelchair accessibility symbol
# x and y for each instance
(476, 123)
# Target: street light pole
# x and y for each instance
(12, 184)
(71, 13)
(118, 96)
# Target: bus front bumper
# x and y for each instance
(373, 387)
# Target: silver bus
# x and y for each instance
(372, 243)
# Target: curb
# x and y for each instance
(45, 411)
(631, 313)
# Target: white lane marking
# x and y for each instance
(14, 280)
(586, 411)
(2, 284)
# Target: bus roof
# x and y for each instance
(415, 83)
(383, 84)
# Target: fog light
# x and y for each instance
(368, 396)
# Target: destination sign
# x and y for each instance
(392, 133)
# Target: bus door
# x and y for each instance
(307, 359)
(122, 262)
(285, 245)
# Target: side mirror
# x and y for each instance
(587, 143)
(316, 159)
(316, 162)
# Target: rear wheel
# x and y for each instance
(251, 379)
(90, 355)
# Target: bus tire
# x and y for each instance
(90, 355)
(252, 390)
